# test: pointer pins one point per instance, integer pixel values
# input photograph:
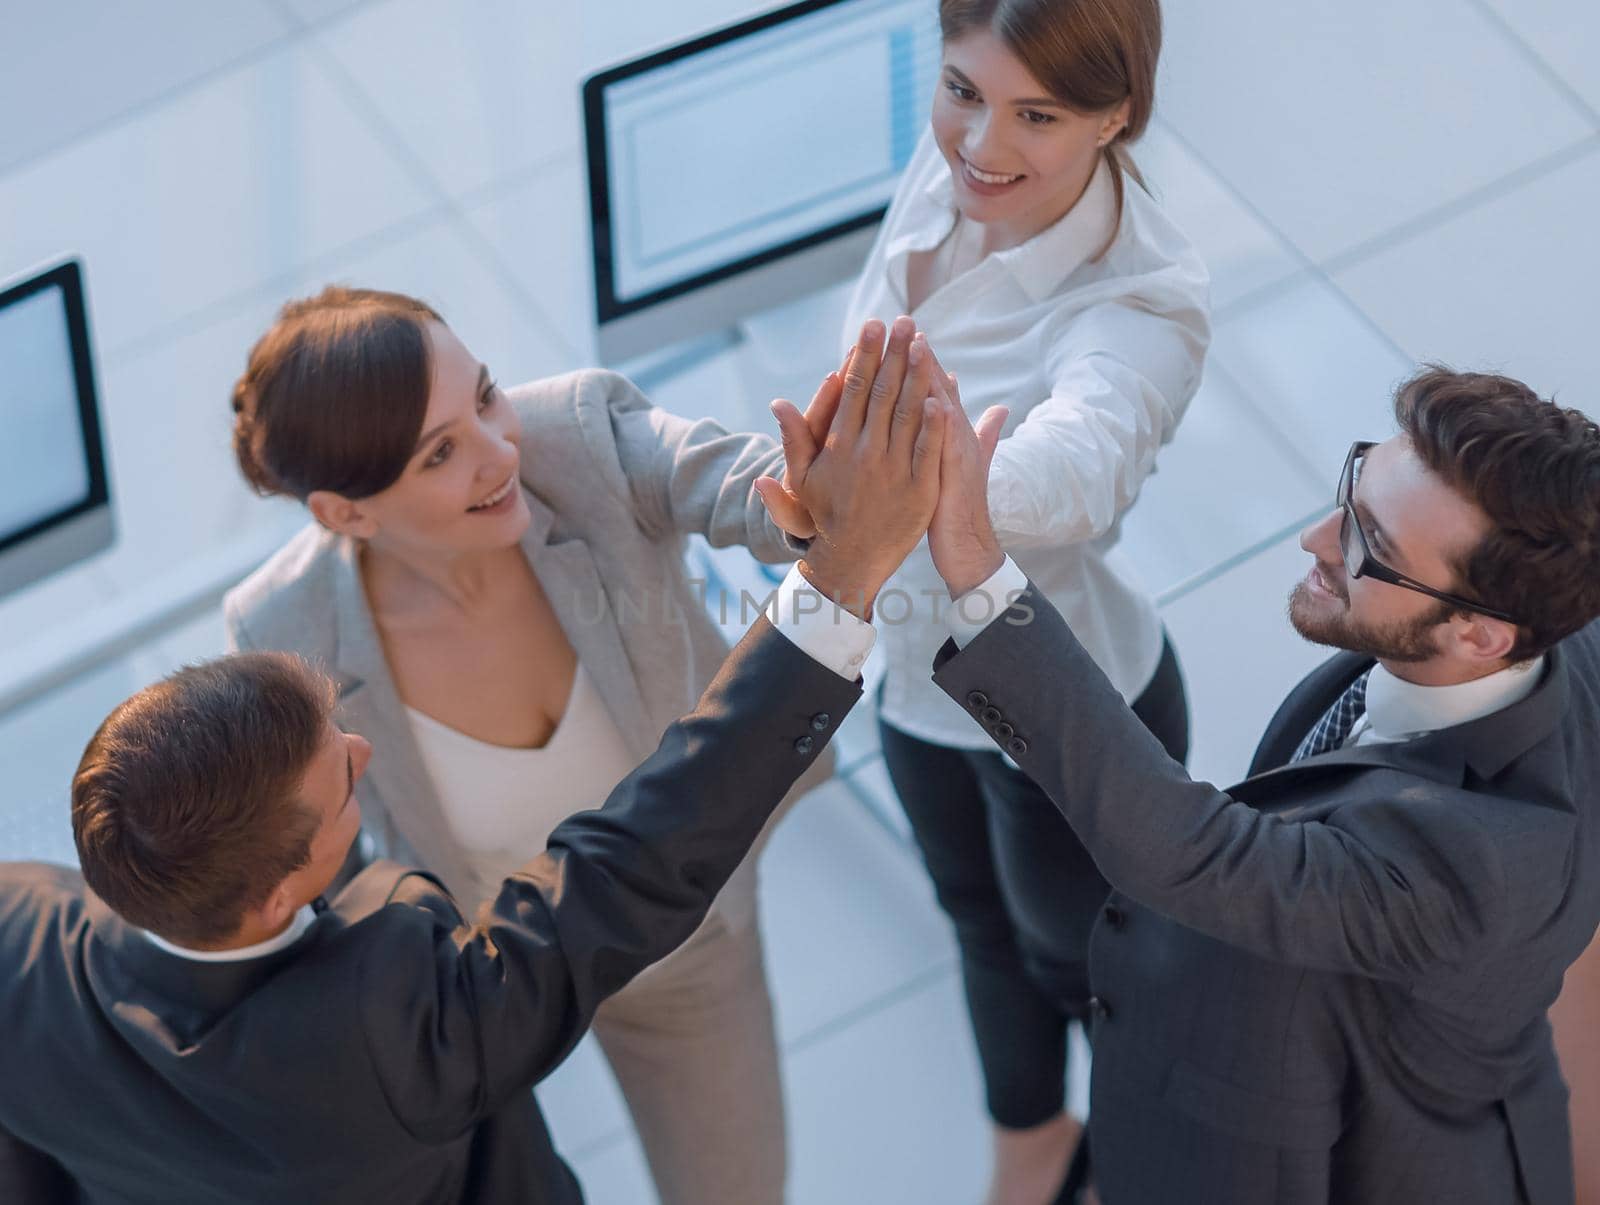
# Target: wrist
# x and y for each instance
(852, 587)
(970, 568)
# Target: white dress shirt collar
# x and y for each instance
(1038, 265)
(297, 927)
(1397, 709)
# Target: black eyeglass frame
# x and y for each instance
(1364, 564)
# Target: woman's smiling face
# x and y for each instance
(460, 490)
(1019, 158)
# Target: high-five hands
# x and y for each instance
(960, 537)
(870, 486)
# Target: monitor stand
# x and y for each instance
(787, 350)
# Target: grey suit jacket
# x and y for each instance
(386, 1056)
(615, 486)
(1329, 982)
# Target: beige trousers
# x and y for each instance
(692, 1043)
(693, 1047)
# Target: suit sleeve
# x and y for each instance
(30, 1177)
(691, 476)
(616, 890)
(1387, 890)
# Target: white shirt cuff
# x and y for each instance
(823, 630)
(986, 602)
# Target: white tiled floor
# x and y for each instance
(1373, 182)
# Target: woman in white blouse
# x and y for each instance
(497, 583)
(1023, 243)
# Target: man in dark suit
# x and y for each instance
(197, 1025)
(1329, 982)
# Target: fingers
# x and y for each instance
(799, 448)
(944, 383)
(905, 423)
(858, 379)
(989, 427)
(925, 456)
(785, 509)
(824, 405)
(891, 376)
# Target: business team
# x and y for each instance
(1327, 983)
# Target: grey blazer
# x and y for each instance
(1328, 983)
(615, 485)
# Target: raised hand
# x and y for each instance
(781, 502)
(870, 488)
(961, 538)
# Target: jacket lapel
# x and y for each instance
(1304, 706)
(370, 702)
(1486, 745)
(571, 581)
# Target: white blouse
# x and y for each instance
(1097, 359)
(503, 803)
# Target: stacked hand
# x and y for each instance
(884, 454)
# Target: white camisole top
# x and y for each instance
(502, 803)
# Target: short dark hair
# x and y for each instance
(334, 394)
(186, 805)
(1533, 468)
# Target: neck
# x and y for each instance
(254, 935)
(1003, 235)
(403, 579)
(1441, 671)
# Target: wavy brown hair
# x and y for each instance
(1533, 468)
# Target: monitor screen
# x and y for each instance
(52, 468)
(753, 142)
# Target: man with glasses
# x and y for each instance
(1329, 983)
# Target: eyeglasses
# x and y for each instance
(1358, 558)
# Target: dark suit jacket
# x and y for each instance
(1328, 983)
(387, 1056)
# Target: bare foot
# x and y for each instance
(1030, 1164)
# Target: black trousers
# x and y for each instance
(1023, 894)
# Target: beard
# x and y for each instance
(1410, 640)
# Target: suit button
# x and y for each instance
(1016, 746)
(1099, 1009)
(990, 715)
(820, 722)
(803, 745)
(977, 699)
(1114, 916)
(1004, 731)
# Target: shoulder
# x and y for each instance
(579, 431)
(278, 606)
(574, 411)
(1149, 246)
(35, 897)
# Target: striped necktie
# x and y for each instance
(1331, 731)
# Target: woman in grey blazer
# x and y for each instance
(497, 582)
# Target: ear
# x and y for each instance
(278, 909)
(338, 513)
(1485, 640)
(1116, 120)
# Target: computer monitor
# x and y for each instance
(55, 506)
(751, 165)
